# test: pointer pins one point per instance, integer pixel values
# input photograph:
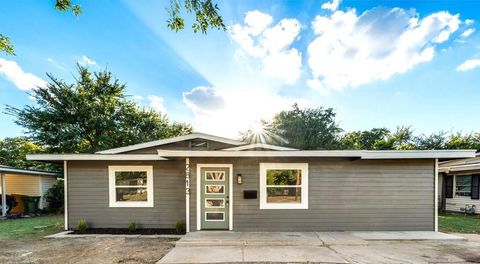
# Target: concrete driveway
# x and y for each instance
(331, 247)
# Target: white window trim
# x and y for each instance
(288, 166)
(111, 183)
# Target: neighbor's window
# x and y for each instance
(131, 186)
(283, 186)
(463, 185)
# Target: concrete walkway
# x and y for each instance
(224, 246)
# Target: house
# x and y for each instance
(215, 183)
(16, 182)
(459, 185)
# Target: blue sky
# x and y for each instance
(377, 63)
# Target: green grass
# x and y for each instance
(25, 227)
(459, 223)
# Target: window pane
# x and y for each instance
(284, 194)
(131, 178)
(284, 177)
(463, 185)
(211, 203)
(215, 175)
(131, 194)
(215, 189)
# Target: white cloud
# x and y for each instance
(333, 5)
(467, 33)
(228, 112)
(86, 61)
(469, 22)
(56, 64)
(271, 45)
(351, 49)
(23, 80)
(469, 65)
(156, 102)
(138, 98)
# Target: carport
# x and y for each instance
(25, 182)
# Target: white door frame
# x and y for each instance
(230, 192)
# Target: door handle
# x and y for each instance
(227, 200)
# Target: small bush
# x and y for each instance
(180, 227)
(55, 197)
(82, 225)
(132, 226)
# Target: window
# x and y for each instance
(463, 185)
(283, 186)
(131, 186)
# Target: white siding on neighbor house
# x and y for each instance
(454, 204)
(22, 184)
(46, 182)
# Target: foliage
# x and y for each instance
(90, 115)
(6, 45)
(67, 5)
(25, 227)
(459, 223)
(13, 151)
(55, 197)
(132, 226)
(82, 225)
(206, 15)
(180, 227)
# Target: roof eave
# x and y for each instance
(93, 157)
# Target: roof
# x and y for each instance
(259, 145)
(360, 154)
(11, 170)
(67, 157)
(172, 140)
(460, 165)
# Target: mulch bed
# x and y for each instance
(125, 231)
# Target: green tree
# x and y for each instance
(13, 151)
(90, 115)
(369, 139)
(311, 128)
(206, 15)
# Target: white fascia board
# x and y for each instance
(28, 172)
(417, 154)
(171, 140)
(259, 145)
(63, 157)
(406, 154)
(472, 167)
(458, 162)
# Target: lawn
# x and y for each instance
(31, 227)
(459, 223)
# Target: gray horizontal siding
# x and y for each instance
(88, 196)
(343, 195)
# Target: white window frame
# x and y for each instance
(286, 166)
(112, 193)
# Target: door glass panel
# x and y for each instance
(214, 203)
(214, 189)
(215, 175)
(214, 216)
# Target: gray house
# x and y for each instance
(214, 183)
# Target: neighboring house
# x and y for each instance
(14, 182)
(459, 184)
(214, 183)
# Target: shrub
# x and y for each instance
(55, 197)
(180, 227)
(132, 226)
(82, 225)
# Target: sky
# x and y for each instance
(376, 63)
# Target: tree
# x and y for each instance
(206, 16)
(13, 151)
(369, 139)
(90, 115)
(300, 128)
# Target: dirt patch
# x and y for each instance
(84, 250)
(125, 231)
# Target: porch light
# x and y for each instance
(239, 179)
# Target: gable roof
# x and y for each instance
(459, 165)
(259, 145)
(172, 140)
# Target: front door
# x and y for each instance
(214, 197)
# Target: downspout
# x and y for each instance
(187, 195)
(65, 193)
(4, 195)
